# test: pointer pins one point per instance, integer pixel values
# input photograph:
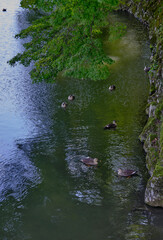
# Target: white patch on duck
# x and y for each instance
(112, 125)
(71, 97)
(64, 105)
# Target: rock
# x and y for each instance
(152, 109)
(154, 192)
(154, 126)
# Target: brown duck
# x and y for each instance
(90, 161)
(126, 172)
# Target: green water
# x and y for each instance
(45, 191)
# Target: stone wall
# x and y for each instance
(150, 12)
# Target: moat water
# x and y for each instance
(45, 191)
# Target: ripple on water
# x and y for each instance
(17, 175)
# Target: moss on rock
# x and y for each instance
(153, 192)
(151, 13)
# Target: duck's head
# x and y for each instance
(119, 171)
(112, 87)
(95, 160)
(64, 105)
(114, 122)
(71, 97)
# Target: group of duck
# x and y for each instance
(94, 161)
(70, 98)
(88, 161)
(121, 172)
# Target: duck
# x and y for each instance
(126, 172)
(4, 10)
(71, 97)
(90, 161)
(146, 69)
(112, 125)
(112, 87)
(64, 105)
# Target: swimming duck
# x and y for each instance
(146, 69)
(4, 10)
(90, 161)
(112, 125)
(71, 97)
(64, 105)
(112, 87)
(126, 172)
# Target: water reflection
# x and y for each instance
(88, 196)
(17, 174)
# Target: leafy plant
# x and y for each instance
(67, 40)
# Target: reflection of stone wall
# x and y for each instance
(151, 13)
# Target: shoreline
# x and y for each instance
(149, 12)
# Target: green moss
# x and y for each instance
(154, 152)
(154, 66)
(158, 172)
(150, 123)
(134, 9)
(161, 141)
(153, 103)
(159, 110)
(151, 165)
(152, 136)
(152, 89)
(147, 128)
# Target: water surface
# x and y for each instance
(45, 191)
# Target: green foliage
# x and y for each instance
(67, 40)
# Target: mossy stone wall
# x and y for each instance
(150, 12)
